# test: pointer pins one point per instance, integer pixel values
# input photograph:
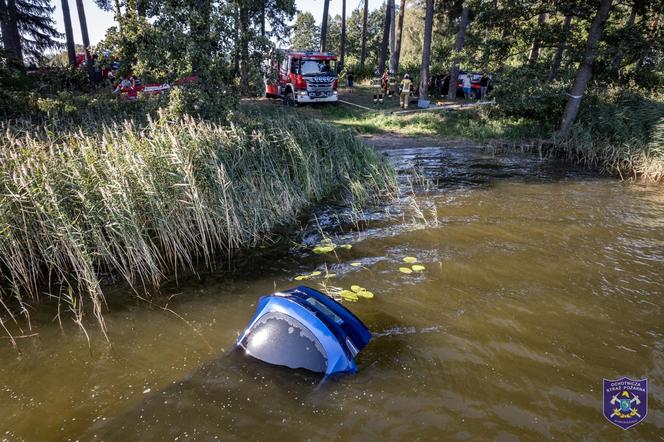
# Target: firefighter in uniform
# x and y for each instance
(377, 84)
(391, 84)
(404, 91)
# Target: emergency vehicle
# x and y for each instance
(299, 77)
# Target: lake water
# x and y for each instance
(540, 281)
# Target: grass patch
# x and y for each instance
(475, 124)
(141, 202)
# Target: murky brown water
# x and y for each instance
(539, 283)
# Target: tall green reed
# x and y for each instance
(144, 202)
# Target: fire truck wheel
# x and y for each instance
(289, 100)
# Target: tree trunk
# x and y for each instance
(84, 36)
(363, 51)
(263, 20)
(585, 72)
(69, 33)
(393, 54)
(342, 43)
(402, 9)
(386, 39)
(426, 51)
(503, 52)
(537, 42)
(236, 55)
(244, 49)
(617, 60)
(10, 35)
(651, 42)
(458, 47)
(118, 14)
(558, 57)
(323, 27)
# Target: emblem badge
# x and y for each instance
(625, 401)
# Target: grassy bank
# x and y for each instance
(619, 131)
(142, 202)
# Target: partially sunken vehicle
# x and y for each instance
(303, 328)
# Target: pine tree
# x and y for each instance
(306, 33)
(585, 71)
(69, 33)
(458, 47)
(397, 55)
(323, 27)
(28, 29)
(426, 51)
(363, 50)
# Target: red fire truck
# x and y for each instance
(300, 77)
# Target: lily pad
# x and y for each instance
(356, 264)
(418, 268)
(410, 259)
(301, 277)
(346, 246)
(348, 295)
(323, 249)
(405, 270)
(356, 288)
(315, 273)
(365, 294)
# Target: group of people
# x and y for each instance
(106, 72)
(385, 85)
(439, 86)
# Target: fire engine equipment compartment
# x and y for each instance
(303, 328)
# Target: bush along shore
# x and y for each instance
(142, 202)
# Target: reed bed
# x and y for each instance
(142, 202)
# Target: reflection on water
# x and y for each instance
(539, 282)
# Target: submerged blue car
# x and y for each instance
(303, 328)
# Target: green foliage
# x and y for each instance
(621, 131)
(142, 201)
(306, 34)
(519, 93)
(37, 28)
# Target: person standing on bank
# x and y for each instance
(404, 91)
(484, 86)
(466, 86)
(349, 80)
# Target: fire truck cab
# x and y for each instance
(300, 77)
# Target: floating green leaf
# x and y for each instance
(323, 249)
(418, 268)
(356, 264)
(405, 270)
(356, 288)
(410, 259)
(315, 273)
(365, 294)
(348, 295)
(346, 246)
(301, 277)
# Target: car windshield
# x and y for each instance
(315, 67)
(280, 339)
